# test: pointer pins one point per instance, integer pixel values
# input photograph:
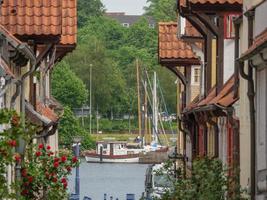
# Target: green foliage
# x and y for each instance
(209, 181)
(67, 87)
(44, 175)
(112, 50)
(162, 10)
(87, 9)
(69, 127)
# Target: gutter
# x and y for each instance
(184, 131)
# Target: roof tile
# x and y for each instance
(260, 42)
(69, 22)
(32, 17)
(170, 47)
(213, 2)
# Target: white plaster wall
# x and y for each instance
(229, 59)
(243, 114)
(260, 18)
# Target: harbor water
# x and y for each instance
(115, 180)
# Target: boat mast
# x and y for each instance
(138, 97)
(145, 114)
(155, 109)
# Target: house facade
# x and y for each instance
(34, 36)
(227, 119)
(253, 102)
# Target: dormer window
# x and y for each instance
(229, 28)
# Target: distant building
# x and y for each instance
(128, 20)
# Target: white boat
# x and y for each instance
(114, 152)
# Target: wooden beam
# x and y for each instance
(208, 63)
(197, 24)
(44, 53)
(220, 55)
(181, 77)
(208, 22)
(192, 39)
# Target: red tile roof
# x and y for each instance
(259, 43)
(170, 47)
(225, 98)
(69, 22)
(46, 111)
(211, 2)
(210, 96)
(32, 17)
(190, 30)
(216, 1)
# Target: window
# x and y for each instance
(196, 76)
(127, 25)
(229, 28)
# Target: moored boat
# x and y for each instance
(114, 152)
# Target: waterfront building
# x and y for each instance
(227, 119)
(35, 35)
(252, 29)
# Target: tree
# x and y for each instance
(69, 127)
(67, 87)
(162, 10)
(87, 9)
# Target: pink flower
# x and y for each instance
(48, 147)
(24, 172)
(41, 146)
(56, 164)
(74, 159)
(24, 192)
(38, 153)
(63, 158)
(65, 185)
(68, 168)
(63, 180)
(30, 179)
(17, 157)
(12, 143)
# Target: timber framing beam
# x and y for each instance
(44, 53)
(208, 22)
(197, 24)
(179, 74)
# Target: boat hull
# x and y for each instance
(96, 158)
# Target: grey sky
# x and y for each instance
(130, 7)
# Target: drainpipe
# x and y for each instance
(185, 132)
(237, 37)
(251, 97)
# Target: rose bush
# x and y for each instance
(43, 173)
